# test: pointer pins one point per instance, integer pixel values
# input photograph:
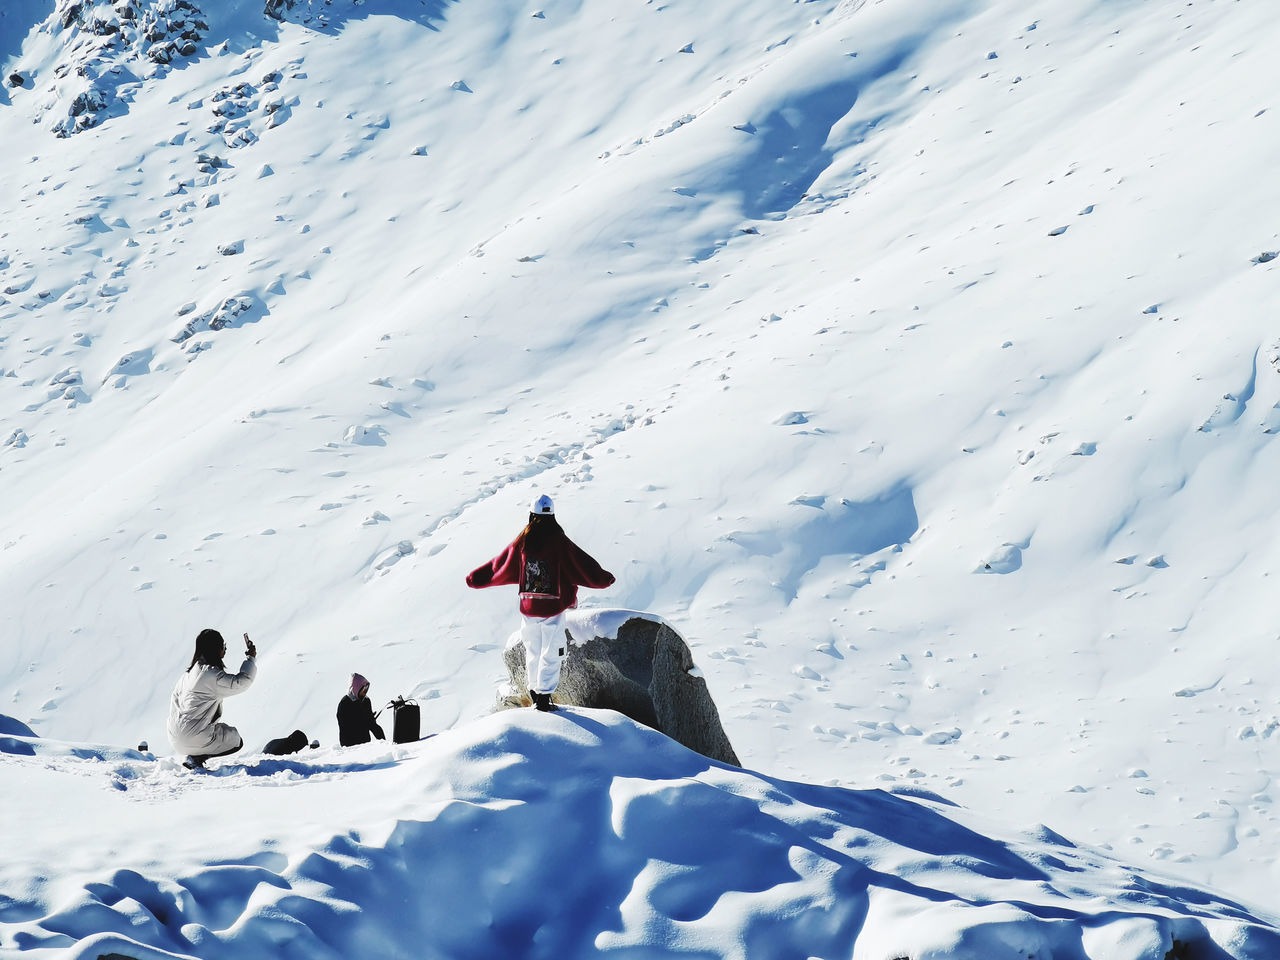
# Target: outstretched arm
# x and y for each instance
(586, 572)
(501, 570)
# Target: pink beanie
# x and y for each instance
(358, 683)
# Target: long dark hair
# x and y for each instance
(209, 647)
(543, 528)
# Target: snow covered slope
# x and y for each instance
(576, 834)
(917, 359)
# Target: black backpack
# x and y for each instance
(406, 720)
(283, 746)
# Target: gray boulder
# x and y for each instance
(639, 667)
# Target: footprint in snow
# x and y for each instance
(401, 550)
(1196, 691)
(1004, 559)
(809, 500)
(371, 436)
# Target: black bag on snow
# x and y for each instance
(406, 720)
(283, 746)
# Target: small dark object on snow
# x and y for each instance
(16, 79)
(282, 746)
(405, 726)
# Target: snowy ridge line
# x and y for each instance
(761, 867)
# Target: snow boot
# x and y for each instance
(542, 702)
(194, 763)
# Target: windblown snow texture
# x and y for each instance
(916, 360)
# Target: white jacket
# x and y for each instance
(197, 705)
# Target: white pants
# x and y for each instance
(544, 643)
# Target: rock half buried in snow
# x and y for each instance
(636, 664)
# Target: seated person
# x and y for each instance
(355, 715)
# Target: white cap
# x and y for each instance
(542, 504)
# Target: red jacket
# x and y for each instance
(549, 582)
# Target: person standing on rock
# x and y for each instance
(548, 567)
(196, 705)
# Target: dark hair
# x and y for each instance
(209, 647)
(542, 529)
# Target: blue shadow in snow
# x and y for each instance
(14, 727)
(837, 528)
(308, 13)
(16, 747)
(790, 150)
(18, 18)
(269, 767)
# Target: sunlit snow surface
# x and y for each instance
(916, 359)
(575, 834)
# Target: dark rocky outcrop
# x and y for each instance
(106, 45)
(646, 672)
(276, 9)
(228, 313)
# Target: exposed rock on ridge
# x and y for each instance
(645, 672)
(110, 48)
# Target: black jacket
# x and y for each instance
(355, 722)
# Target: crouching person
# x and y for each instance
(355, 715)
(196, 706)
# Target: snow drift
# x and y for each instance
(578, 834)
(915, 358)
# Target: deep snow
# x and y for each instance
(573, 834)
(917, 360)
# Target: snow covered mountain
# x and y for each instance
(917, 359)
